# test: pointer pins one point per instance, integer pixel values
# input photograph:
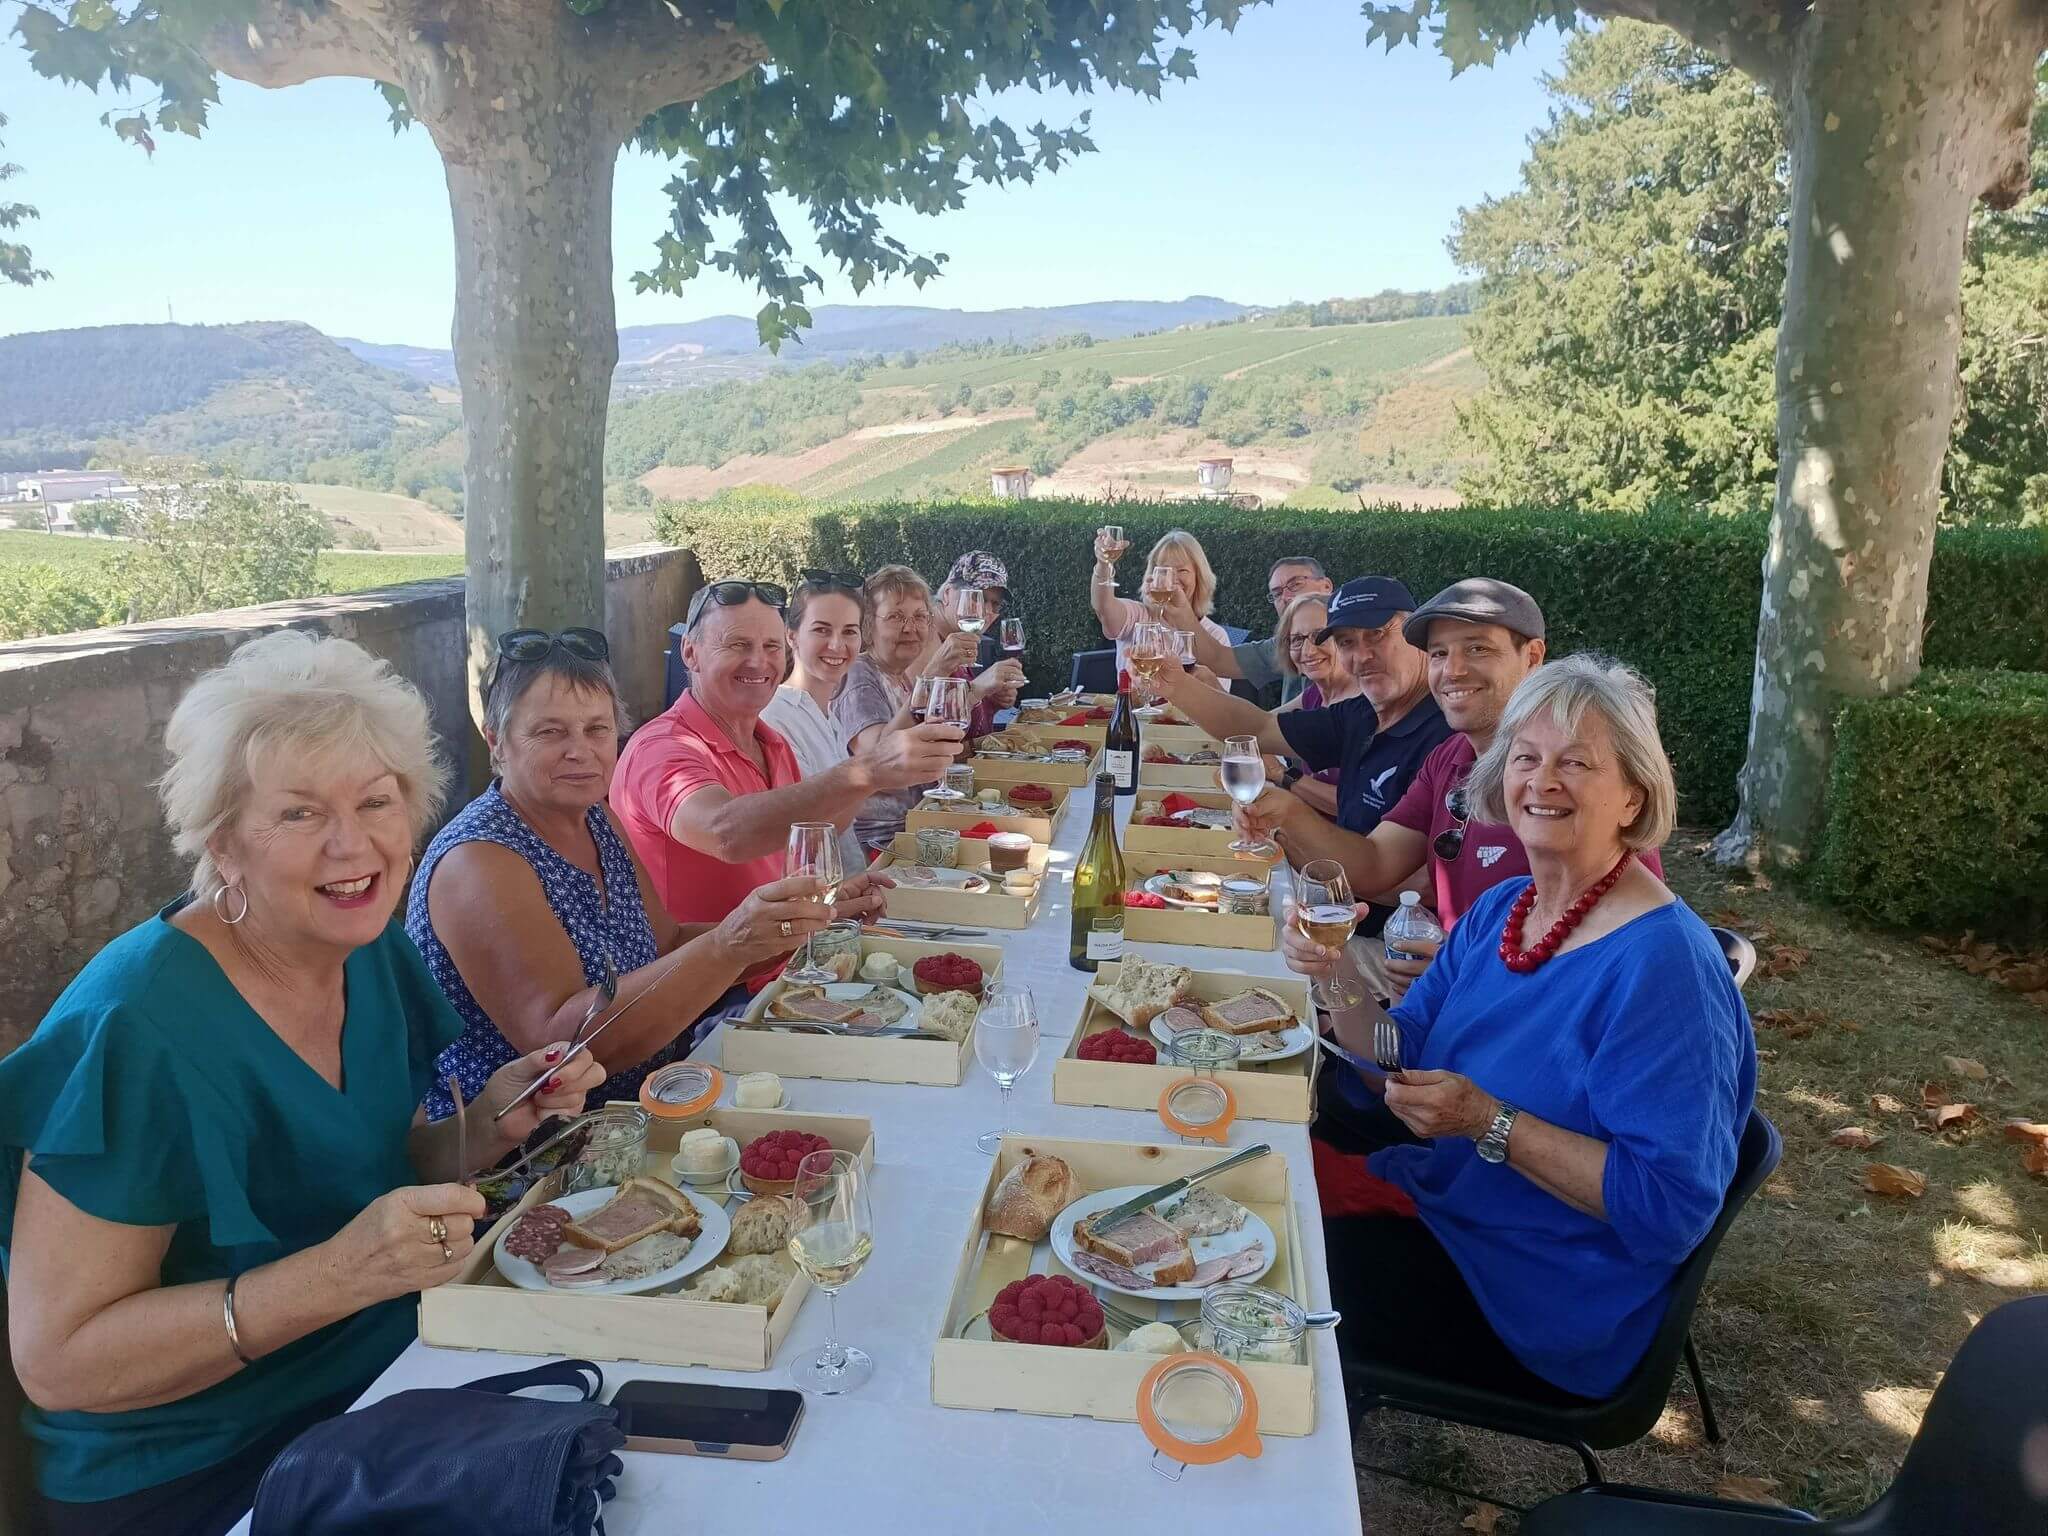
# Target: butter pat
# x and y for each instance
(880, 966)
(1019, 882)
(1154, 1339)
(703, 1151)
(758, 1090)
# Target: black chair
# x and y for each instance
(1979, 1463)
(675, 676)
(1094, 671)
(1623, 1418)
(1741, 955)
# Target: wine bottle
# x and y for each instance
(1099, 887)
(1120, 749)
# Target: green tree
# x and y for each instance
(108, 517)
(1900, 116)
(39, 599)
(202, 545)
(16, 261)
(842, 107)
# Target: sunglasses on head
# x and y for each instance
(832, 579)
(1450, 842)
(534, 644)
(730, 594)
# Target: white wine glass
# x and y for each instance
(813, 849)
(831, 1234)
(1006, 1043)
(1244, 779)
(973, 614)
(1326, 915)
(1149, 651)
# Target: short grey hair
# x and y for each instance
(1308, 563)
(1567, 689)
(290, 691)
(511, 681)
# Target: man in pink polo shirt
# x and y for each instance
(707, 793)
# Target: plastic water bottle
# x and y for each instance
(1411, 920)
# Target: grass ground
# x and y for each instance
(1831, 1311)
(395, 522)
(340, 570)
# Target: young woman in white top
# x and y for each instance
(1193, 576)
(824, 615)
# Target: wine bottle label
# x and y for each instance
(1118, 766)
(1106, 943)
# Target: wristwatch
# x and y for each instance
(1493, 1146)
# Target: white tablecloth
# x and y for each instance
(886, 1458)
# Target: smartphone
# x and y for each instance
(686, 1418)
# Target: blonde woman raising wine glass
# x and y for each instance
(813, 850)
(831, 1234)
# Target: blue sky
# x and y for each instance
(1300, 165)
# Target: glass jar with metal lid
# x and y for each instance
(1205, 1051)
(616, 1151)
(838, 948)
(1242, 897)
(1250, 1322)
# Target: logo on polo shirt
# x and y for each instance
(1375, 794)
(1488, 857)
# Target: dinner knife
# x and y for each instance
(1152, 1197)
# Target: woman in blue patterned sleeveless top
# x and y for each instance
(523, 896)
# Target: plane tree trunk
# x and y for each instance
(529, 106)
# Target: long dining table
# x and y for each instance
(886, 1457)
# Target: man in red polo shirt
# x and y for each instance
(707, 793)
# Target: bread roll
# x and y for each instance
(1030, 1195)
(760, 1226)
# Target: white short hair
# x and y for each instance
(1567, 688)
(293, 692)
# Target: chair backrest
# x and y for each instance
(1980, 1460)
(15, 1467)
(1740, 953)
(1238, 635)
(1756, 1155)
(1094, 671)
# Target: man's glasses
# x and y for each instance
(535, 644)
(730, 594)
(1450, 842)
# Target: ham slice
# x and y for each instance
(1245, 1262)
(1105, 1269)
(1179, 1019)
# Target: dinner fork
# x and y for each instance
(608, 992)
(1386, 1044)
(461, 1127)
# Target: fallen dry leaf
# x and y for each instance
(1932, 1095)
(1792, 1023)
(2028, 976)
(1727, 917)
(1946, 1115)
(2026, 1130)
(1482, 1520)
(1891, 1179)
(1855, 1137)
(2034, 1158)
(1934, 944)
(1785, 960)
(1850, 1025)
(1885, 1104)
(1965, 1067)
(1747, 1490)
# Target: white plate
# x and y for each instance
(1253, 1230)
(1158, 883)
(1296, 1038)
(855, 991)
(963, 880)
(706, 1246)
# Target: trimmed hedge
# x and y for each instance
(1938, 805)
(1674, 593)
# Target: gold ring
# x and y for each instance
(437, 1232)
(787, 931)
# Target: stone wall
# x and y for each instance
(83, 851)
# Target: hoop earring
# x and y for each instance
(217, 912)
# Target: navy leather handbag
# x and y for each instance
(441, 1460)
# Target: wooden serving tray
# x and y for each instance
(848, 1058)
(1283, 1090)
(480, 1309)
(1186, 842)
(1204, 930)
(1039, 826)
(1103, 1383)
(1004, 770)
(993, 908)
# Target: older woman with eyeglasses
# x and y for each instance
(533, 912)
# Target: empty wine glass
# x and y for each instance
(1184, 646)
(951, 703)
(831, 1235)
(1005, 1042)
(1325, 914)
(973, 610)
(1011, 633)
(813, 849)
(1244, 780)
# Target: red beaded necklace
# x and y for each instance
(1523, 961)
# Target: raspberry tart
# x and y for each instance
(947, 973)
(1047, 1309)
(768, 1163)
(1030, 794)
(1118, 1045)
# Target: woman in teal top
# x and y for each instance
(217, 1195)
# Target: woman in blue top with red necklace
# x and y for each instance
(1581, 1068)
